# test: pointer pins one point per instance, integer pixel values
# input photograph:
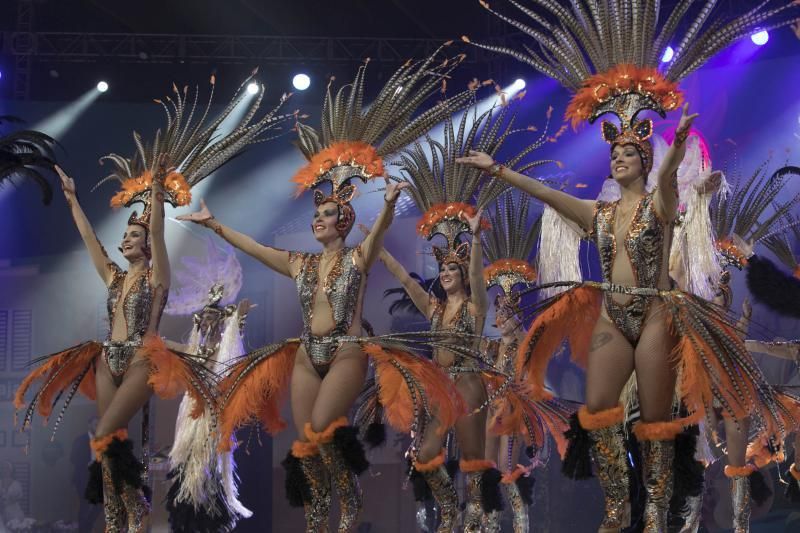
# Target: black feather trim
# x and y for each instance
(298, 491)
(772, 287)
(689, 473)
(452, 468)
(375, 435)
(759, 490)
(792, 492)
(186, 518)
(124, 467)
(94, 486)
(422, 491)
(578, 460)
(525, 486)
(148, 493)
(346, 441)
(491, 499)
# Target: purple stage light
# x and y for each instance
(669, 53)
(760, 38)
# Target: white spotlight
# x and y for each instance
(252, 87)
(760, 38)
(301, 82)
(102, 86)
(518, 84)
(669, 53)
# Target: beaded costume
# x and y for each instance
(180, 156)
(350, 145)
(609, 55)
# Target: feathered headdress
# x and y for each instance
(742, 212)
(447, 192)
(352, 141)
(188, 149)
(214, 280)
(24, 154)
(608, 53)
(508, 246)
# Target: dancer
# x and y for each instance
(133, 362)
(508, 247)
(632, 328)
(327, 365)
(444, 192)
(204, 493)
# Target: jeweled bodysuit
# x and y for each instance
(341, 286)
(647, 243)
(462, 323)
(141, 317)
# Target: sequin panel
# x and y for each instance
(341, 287)
(644, 243)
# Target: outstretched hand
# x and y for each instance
(198, 217)
(475, 222)
(393, 190)
(686, 119)
(67, 183)
(476, 159)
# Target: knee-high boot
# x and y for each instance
(343, 456)
(123, 495)
(483, 492)
(740, 495)
(657, 443)
(443, 491)
(518, 487)
(611, 464)
(308, 485)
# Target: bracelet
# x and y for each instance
(496, 169)
(390, 202)
(681, 135)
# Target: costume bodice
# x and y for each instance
(140, 309)
(462, 322)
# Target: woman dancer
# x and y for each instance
(327, 365)
(443, 192)
(122, 372)
(610, 60)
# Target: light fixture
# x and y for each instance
(669, 53)
(760, 38)
(301, 82)
(252, 88)
(102, 86)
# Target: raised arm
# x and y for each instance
(160, 259)
(575, 209)
(415, 291)
(273, 258)
(100, 258)
(373, 243)
(480, 299)
(667, 195)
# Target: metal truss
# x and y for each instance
(167, 48)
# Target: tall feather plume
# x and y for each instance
(605, 33)
(511, 235)
(195, 147)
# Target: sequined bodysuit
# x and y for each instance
(341, 286)
(140, 314)
(462, 322)
(647, 244)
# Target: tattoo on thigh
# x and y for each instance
(600, 340)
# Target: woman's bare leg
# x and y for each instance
(655, 380)
(471, 428)
(344, 460)
(132, 394)
(609, 367)
(304, 388)
(104, 385)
